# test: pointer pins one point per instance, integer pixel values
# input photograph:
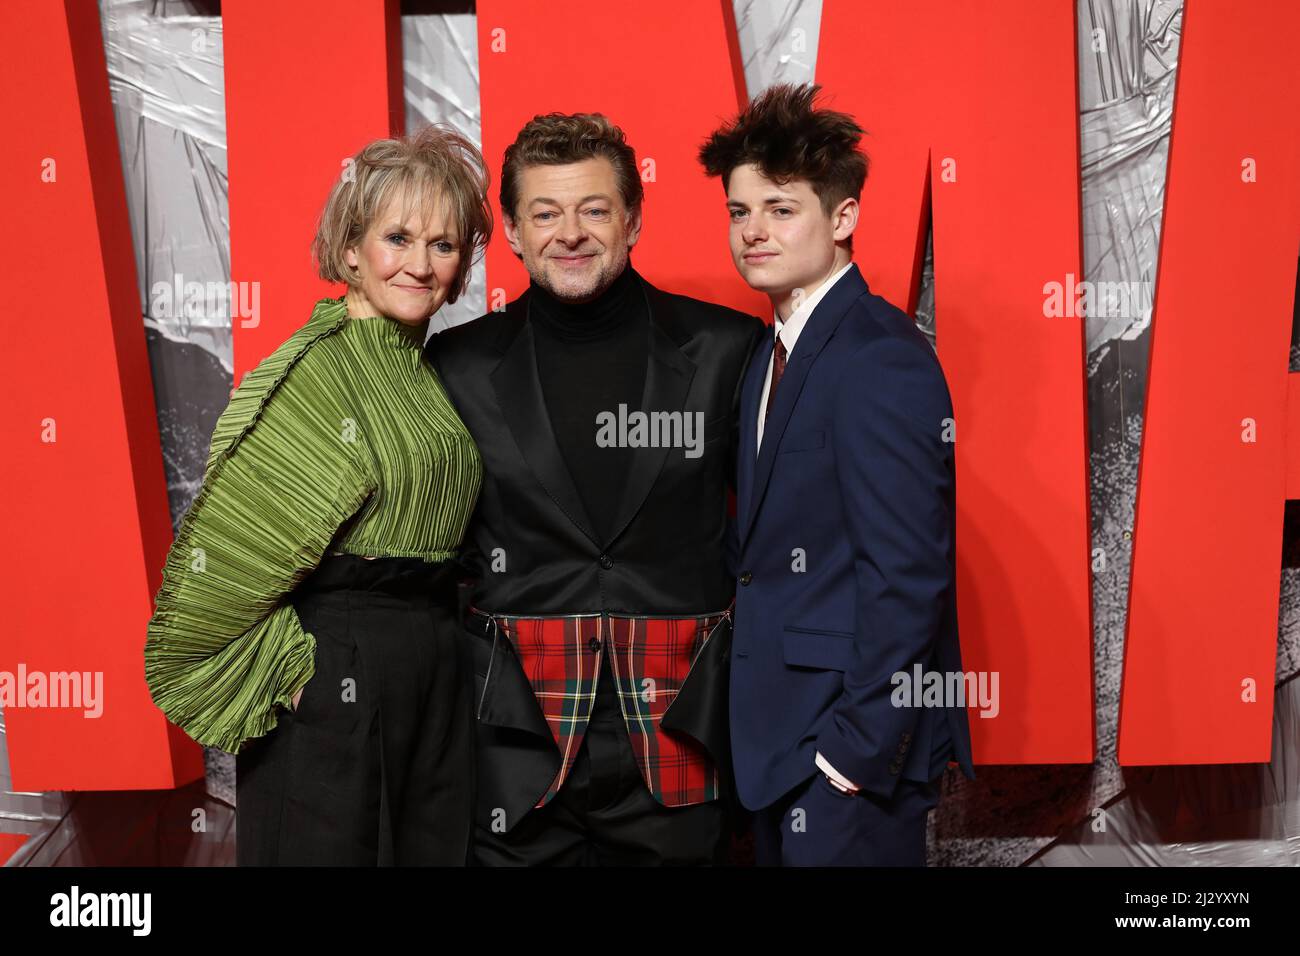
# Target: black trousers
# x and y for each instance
(375, 767)
(814, 824)
(604, 814)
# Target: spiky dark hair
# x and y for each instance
(787, 138)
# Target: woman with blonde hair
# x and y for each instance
(307, 616)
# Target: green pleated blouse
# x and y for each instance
(342, 439)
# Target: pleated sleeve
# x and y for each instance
(284, 474)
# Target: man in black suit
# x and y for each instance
(606, 414)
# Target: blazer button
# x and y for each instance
(745, 578)
(606, 562)
(594, 644)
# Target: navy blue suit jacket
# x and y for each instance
(846, 526)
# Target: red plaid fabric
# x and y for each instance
(651, 659)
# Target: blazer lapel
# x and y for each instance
(750, 396)
(519, 392)
(816, 333)
(669, 374)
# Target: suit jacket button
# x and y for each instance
(594, 644)
(606, 562)
(745, 578)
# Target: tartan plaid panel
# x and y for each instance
(651, 659)
(557, 658)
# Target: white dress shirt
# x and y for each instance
(788, 332)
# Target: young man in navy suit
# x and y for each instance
(846, 516)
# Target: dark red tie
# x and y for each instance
(778, 369)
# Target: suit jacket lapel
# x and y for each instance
(750, 397)
(816, 333)
(668, 381)
(519, 392)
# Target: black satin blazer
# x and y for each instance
(531, 549)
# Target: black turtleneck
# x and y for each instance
(590, 358)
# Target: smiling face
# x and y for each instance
(407, 267)
(781, 239)
(571, 228)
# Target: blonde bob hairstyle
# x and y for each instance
(436, 164)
